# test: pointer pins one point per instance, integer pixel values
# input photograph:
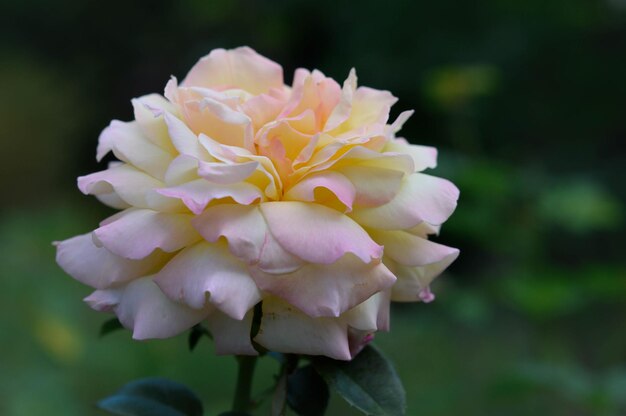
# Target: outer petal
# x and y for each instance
(149, 110)
(142, 307)
(424, 157)
(208, 273)
(231, 336)
(421, 198)
(248, 237)
(136, 233)
(327, 290)
(132, 186)
(412, 284)
(130, 145)
(98, 267)
(286, 329)
(410, 250)
(196, 195)
(323, 234)
(238, 68)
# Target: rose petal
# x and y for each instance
(98, 267)
(238, 68)
(129, 144)
(410, 250)
(208, 273)
(285, 329)
(327, 188)
(226, 174)
(330, 289)
(196, 195)
(143, 308)
(231, 336)
(132, 186)
(248, 237)
(374, 186)
(424, 157)
(323, 234)
(138, 232)
(420, 198)
(149, 110)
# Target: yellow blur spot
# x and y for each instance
(58, 339)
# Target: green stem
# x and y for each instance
(242, 400)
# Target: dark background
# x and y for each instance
(525, 99)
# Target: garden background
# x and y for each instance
(525, 99)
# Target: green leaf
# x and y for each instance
(307, 392)
(233, 413)
(110, 326)
(368, 382)
(197, 332)
(153, 397)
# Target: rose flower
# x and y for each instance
(236, 189)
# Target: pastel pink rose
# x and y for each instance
(236, 189)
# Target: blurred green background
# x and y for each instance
(526, 100)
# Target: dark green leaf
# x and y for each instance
(307, 392)
(153, 397)
(233, 413)
(197, 332)
(368, 382)
(109, 326)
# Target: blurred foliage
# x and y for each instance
(524, 99)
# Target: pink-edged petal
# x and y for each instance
(424, 157)
(327, 290)
(248, 236)
(285, 329)
(342, 111)
(197, 194)
(413, 282)
(327, 188)
(237, 68)
(410, 250)
(231, 336)
(264, 108)
(396, 126)
(371, 315)
(128, 143)
(226, 174)
(318, 234)
(131, 185)
(184, 140)
(143, 308)
(98, 267)
(149, 110)
(138, 232)
(420, 198)
(374, 186)
(208, 273)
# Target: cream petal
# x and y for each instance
(285, 329)
(330, 289)
(129, 144)
(197, 194)
(131, 185)
(248, 237)
(420, 198)
(208, 273)
(324, 235)
(410, 250)
(231, 336)
(98, 267)
(424, 157)
(237, 68)
(184, 140)
(143, 308)
(225, 174)
(374, 186)
(327, 188)
(412, 284)
(136, 233)
(149, 111)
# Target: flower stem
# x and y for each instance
(242, 401)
